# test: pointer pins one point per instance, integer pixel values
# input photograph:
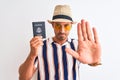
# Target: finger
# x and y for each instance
(83, 28)
(36, 41)
(95, 35)
(79, 31)
(72, 52)
(89, 33)
(36, 38)
(37, 44)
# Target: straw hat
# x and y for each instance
(62, 13)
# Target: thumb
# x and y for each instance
(72, 53)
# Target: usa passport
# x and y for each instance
(39, 29)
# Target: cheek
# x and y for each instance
(67, 33)
(56, 32)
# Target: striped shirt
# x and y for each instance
(55, 64)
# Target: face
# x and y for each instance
(61, 30)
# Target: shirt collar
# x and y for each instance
(50, 40)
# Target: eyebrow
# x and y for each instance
(64, 24)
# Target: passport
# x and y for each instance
(39, 29)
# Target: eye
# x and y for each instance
(67, 27)
(57, 26)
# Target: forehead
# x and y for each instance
(62, 23)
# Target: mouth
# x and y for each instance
(61, 34)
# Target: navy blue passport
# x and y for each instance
(39, 29)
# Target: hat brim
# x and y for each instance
(61, 20)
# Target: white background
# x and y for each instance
(16, 17)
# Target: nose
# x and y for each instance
(62, 30)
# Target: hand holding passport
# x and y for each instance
(39, 29)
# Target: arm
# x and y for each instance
(27, 69)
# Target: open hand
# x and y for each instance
(89, 49)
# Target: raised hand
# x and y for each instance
(89, 49)
(35, 44)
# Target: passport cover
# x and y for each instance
(39, 29)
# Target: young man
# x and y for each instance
(59, 57)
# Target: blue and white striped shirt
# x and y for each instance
(55, 64)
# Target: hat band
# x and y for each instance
(62, 16)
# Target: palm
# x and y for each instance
(89, 49)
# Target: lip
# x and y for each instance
(61, 33)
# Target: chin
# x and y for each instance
(62, 38)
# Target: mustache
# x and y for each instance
(61, 34)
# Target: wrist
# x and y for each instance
(31, 57)
(33, 54)
(95, 64)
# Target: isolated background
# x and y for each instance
(16, 17)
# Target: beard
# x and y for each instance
(61, 36)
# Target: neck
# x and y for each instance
(59, 41)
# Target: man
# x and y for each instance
(59, 57)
